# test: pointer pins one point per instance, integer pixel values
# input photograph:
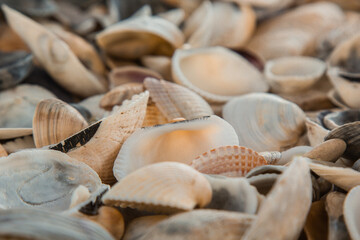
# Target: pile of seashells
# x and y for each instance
(180, 119)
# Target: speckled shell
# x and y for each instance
(164, 187)
(230, 161)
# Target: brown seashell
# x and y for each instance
(54, 121)
(230, 161)
(316, 222)
(140, 226)
(9, 133)
(330, 150)
(164, 187)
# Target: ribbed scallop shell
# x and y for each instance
(54, 121)
(230, 161)
(162, 187)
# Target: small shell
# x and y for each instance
(54, 121)
(330, 150)
(160, 64)
(9, 133)
(316, 226)
(181, 188)
(352, 211)
(315, 132)
(336, 119)
(119, 94)
(176, 16)
(263, 182)
(271, 157)
(336, 99)
(230, 76)
(293, 74)
(92, 104)
(230, 161)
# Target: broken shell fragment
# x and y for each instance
(151, 188)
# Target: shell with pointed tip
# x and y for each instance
(54, 121)
(352, 211)
(161, 143)
(230, 161)
(164, 187)
(289, 215)
(43, 179)
(101, 142)
(293, 74)
(229, 74)
(139, 36)
(265, 122)
(54, 55)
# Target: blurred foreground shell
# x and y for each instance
(352, 211)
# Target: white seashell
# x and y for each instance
(352, 211)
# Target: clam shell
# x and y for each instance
(336, 119)
(139, 226)
(230, 161)
(265, 169)
(293, 74)
(9, 133)
(54, 121)
(54, 55)
(43, 179)
(316, 222)
(289, 215)
(164, 187)
(330, 150)
(351, 212)
(101, 142)
(195, 136)
(271, 122)
(226, 78)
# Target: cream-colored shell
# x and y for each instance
(352, 212)
(164, 187)
(315, 132)
(228, 75)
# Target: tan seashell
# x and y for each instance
(263, 182)
(351, 212)
(288, 155)
(54, 121)
(140, 226)
(289, 215)
(153, 115)
(101, 142)
(3, 152)
(175, 16)
(330, 150)
(54, 55)
(160, 64)
(9, 133)
(181, 188)
(226, 78)
(315, 132)
(316, 222)
(136, 37)
(293, 74)
(230, 161)
(19, 143)
(194, 136)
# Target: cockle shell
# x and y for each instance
(140, 189)
(101, 142)
(271, 123)
(43, 179)
(54, 55)
(289, 215)
(54, 121)
(230, 161)
(139, 36)
(139, 226)
(352, 211)
(293, 74)
(195, 136)
(231, 75)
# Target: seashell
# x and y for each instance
(336, 99)
(288, 155)
(271, 157)
(92, 104)
(9, 133)
(293, 74)
(130, 74)
(330, 150)
(175, 16)
(153, 116)
(291, 214)
(263, 182)
(336, 119)
(19, 143)
(136, 37)
(265, 169)
(82, 110)
(271, 122)
(351, 212)
(160, 64)
(54, 55)
(224, 82)
(18, 105)
(175, 101)
(14, 67)
(33, 8)
(139, 226)
(80, 195)
(101, 142)
(144, 11)
(316, 222)
(232, 194)
(230, 161)
(195, 136)
(10, 41)
(43, 179)
(54, 121)
(202, 225)
(140, 189)
(3, 152)
(315, 132)
(38, 224)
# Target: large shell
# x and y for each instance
(265, 122)
(162, 187)
(231, 75)
(290, 214)
(352, 211)
(43, 179)
(161, 143)
(54, 121)
(139, 36)
(101, 142)
(231, 161)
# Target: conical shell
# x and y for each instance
(194, 136)
(54, 55)
(161, 187)
(119, 94)
(230, 76)
(352, 211)
(101, 142)
(271, 123)
(230, 161)
(54, 121)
